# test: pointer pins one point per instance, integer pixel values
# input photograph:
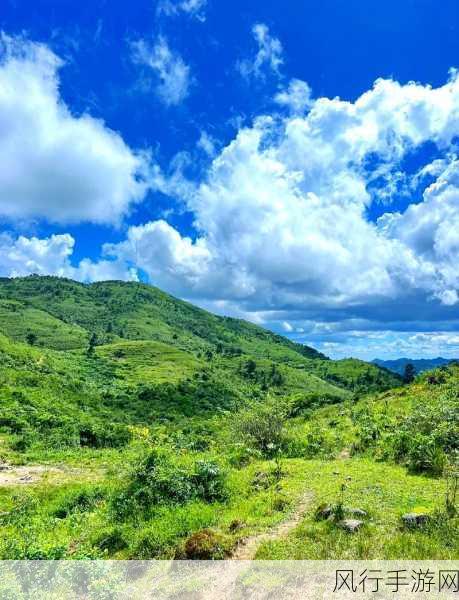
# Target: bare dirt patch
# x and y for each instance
(29, 474)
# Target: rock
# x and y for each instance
(350, 525)
(261, 480)
(323, 512)
(205, 544)
(356, 512)
(413, 520)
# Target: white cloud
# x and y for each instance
(21, 256)
(269, 55)
(194, 8)
(166, 256)
(207, 144)
(55, 165)
(287, 327)
(25, 256)
(431, 230)
(173, 74)
(297, 96)
(390, 345)
(282, 215)
(281, 221)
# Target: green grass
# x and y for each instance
(18, 320)
(148, 362)
(385, 492)
(71, 518)
(167, 377)
(115, 310)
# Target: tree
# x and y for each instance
(92, 344)
(250, 368)
(409, 374)
(31, 338)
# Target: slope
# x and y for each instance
(117, 311)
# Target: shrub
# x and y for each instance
(111, 541)
(109, 435)
(209, 481)
(79, 500)
(163, 478)
(425, 456)
(262, 425)
(303, 404)
(154, 544)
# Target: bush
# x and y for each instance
(109, 435)
(262, 425)
(163, 478)
(304, 404)
(111, 541)
(80, 500)
(154, 544)
(425, 456)
(423, 439)
(209, 481)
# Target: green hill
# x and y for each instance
(155, 358)
(153, 421)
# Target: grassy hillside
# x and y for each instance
(135, 425)
(135, 311)
(152, 358)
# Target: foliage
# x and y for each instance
(164, 478)
(261, 425)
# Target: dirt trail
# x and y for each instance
(248, 547)
(344, 454)
(27, 474)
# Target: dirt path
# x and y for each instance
(344, 454)
(248, 547)
(27, 474)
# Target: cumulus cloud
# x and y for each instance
(21, 256)
(56, 165)
(282, 224)
(163, 254)
(281, 227)
(194, 8)
(172, 73)
(268, 57)
(297, 96)
(25, 256)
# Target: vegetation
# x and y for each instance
(158, 430)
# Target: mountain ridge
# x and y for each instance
(420, 364)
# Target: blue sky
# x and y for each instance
(244, 158)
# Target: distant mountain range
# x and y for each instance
(420, 364)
